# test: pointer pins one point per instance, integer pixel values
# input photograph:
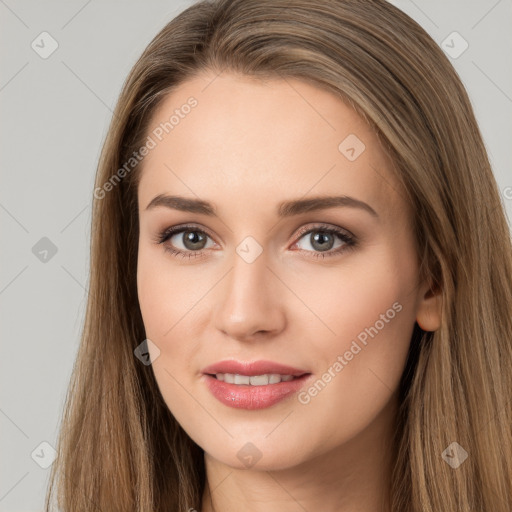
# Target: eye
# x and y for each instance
(190, 241)
(186, 241)
(320, 240)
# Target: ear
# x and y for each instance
(430, 302)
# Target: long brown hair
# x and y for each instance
(120, 447)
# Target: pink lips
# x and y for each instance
(252, 368)
(248, 396)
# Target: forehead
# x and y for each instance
(250, 139)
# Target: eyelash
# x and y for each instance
(349, 240)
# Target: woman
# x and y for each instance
(301, 276)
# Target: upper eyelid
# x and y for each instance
(176, 230)
(324, 225)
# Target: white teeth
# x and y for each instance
(253, 380)
(259, 380)
(242, 379)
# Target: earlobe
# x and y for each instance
(429, 312)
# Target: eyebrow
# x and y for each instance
(285, 208)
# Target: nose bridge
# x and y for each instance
(248, 301)
(249, 278)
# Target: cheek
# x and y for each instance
(166, 306)
(371, 309)
(371, 289)
(171, 302)
(167, 294)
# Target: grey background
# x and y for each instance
(54, 116)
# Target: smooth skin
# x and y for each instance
(247, 146)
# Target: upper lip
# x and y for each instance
(252, 368)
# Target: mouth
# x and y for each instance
(255, 385)
(255, 380)
(266, 372)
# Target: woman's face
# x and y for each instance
(268, 271)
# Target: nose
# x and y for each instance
(250, 302)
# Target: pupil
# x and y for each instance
(193, 239)
(322, 236)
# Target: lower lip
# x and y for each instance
(244, 396)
